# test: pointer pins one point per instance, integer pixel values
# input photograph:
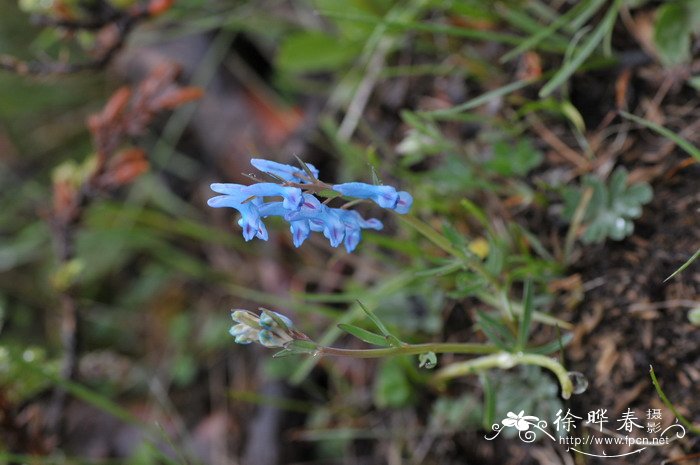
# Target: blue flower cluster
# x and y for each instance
(302, 210)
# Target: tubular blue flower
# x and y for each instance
(300, 228)
(282, 171)
(403, 205)
(300, 231)
(352, 238)
(320, 218)
(292, 195)
(334, 229)
(384, 196)
(235, 198)
(272, 209)
(352, 218)
(354, 223)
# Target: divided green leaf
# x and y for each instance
(611, 209)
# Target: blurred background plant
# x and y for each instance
(507, 121)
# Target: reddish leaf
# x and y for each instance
(123, 168)
(116, 105)
(156, 7)
(173, 98)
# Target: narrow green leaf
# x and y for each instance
(477, 213)
(667, 133)
(552, 346)
(582, 53)
(489, 401)
(581, 12)
(495, 331)
(304, 167)
(525, 319)
(364, 335)
(685, 265)
(478, 101)
(377, 322)
(442, 270)
(431, 234)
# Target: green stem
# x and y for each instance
(411, 349)
(684, 421)
(505, 360)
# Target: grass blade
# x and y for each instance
(584, 52)
(685, 265)
(478, 101)
(667, 133)
(525, 316)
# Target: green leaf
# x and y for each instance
(552, 346)
(667, 133)
(582, 53)
(315, 51)
(298, 346)
(518, 159)
(364, 335)
(392, 388)
(611, 209)
(496, 332)
(489, 401)
(525, 317)
(685, 265)
(427, 360)
(573, 115)
(377, 322)
(672, 33)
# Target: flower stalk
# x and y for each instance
(274, 330)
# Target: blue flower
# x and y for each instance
(234, 198)
(403, 205)
(384, 196)
(272, 209)
(320, 218)
(301, 209)
(354, 223)
(282, 171)
(300, 231)
(291, 195)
